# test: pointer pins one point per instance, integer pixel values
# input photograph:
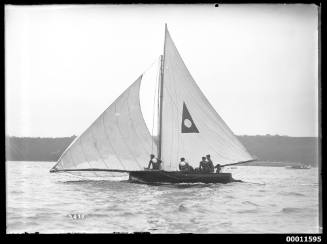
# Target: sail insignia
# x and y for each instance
(188, 125)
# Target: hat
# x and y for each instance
(182, 159)
(203, 157)
(208, 155)
(151, 155)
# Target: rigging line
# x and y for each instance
(121, 135)
(108, 139)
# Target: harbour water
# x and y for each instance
(270, 200)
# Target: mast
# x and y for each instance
(162, 64)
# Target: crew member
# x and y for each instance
(184, 166)
(210, 164)
(218, 168)
(155, 162)
(204, 166)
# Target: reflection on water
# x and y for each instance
(38, 201)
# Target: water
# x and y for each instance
(272, 200)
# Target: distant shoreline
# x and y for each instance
(276, 151)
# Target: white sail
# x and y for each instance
(118, 139)
(191, 128)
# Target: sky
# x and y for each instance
(256, 64)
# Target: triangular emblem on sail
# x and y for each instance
(188, 125)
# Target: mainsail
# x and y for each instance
(118, 140)
(191, 128)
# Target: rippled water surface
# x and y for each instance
(271, 200)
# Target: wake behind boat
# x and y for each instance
(188, 127)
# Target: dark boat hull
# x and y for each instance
(159, 176)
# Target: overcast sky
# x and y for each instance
(257, 64)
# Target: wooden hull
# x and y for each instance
(159, 176)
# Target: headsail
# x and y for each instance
(191, 128)
(118, 139)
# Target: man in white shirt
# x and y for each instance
(184, 166)
(156, 163)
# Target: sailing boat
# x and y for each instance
(119, 140)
